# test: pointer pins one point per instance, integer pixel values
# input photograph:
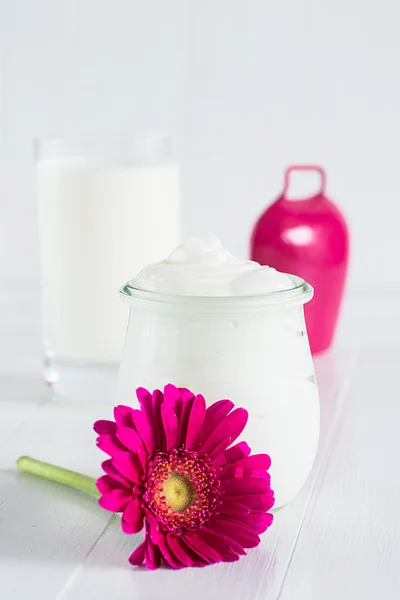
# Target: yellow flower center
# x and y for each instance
(179, 492)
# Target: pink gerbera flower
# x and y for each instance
(173, 470)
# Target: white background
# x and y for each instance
(246, 88)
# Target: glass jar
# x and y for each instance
(253, 350)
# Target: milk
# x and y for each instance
(98, 224)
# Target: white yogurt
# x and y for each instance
(203, 267)
(230, 329)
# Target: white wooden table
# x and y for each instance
(339, 539)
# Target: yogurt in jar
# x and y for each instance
(229, 328)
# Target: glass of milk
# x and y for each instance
(107, 207)
(229, 328)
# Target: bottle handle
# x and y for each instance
(292, 168)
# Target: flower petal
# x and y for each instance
(256, 520)
(261, 502)
(128, 464)
(109, 444)
(233, 472)
(170, 423)
(195, 423)
(167, 553)
(186, 394)
(171, 395)
(116, 500)
(132, 441)
(103, 426)
(202, 549)
(245, 486)
(214, 415)
(238, 451)
(230, 427)
(132, 519)
(158, 400)
(144, 430)
(145, 399)
(105, 484)
(245, 536)
(109, 468)
(234, 509)
(183, 552)
(257, 462)
(152, 527)
(137, 556)
(222, 544)
(123, 415)
(219, 450)
(152, 555)
(187, 401)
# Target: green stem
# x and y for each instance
(54, 473)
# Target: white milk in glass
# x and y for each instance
(100, 220)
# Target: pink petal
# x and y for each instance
(186, 394)
(222, 544)
(109, 444)
(171, 395)
(183, 553)
(202, 549)
(108, 427)
(105, 484)
(195, 423)
(137, 557)
(219, 450)
(221, 460)
(262, 502)
(187, 399)
(152, 527)
(258, 462)
(158, 400)
(132, 519)
(256, 520)
(123, 415)
(145, 399)
(234, 509)
(109, 468)
(152, 555)
(233, 472)
(245, 486)
(170, 423)
(144, 430)
(131, 441)
(129, 466)
(245, 536)
(167, 553)
(115, 501)
(214, 415)
(230, 427)
(240, 450)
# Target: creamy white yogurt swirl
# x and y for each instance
(203, 267)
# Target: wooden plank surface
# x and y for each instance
(57, 543)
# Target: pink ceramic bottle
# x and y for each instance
(309, 238)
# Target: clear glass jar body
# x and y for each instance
(254, 351)
(106, 208)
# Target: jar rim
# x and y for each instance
(300, 293)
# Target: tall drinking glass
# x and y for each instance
(106, 209)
